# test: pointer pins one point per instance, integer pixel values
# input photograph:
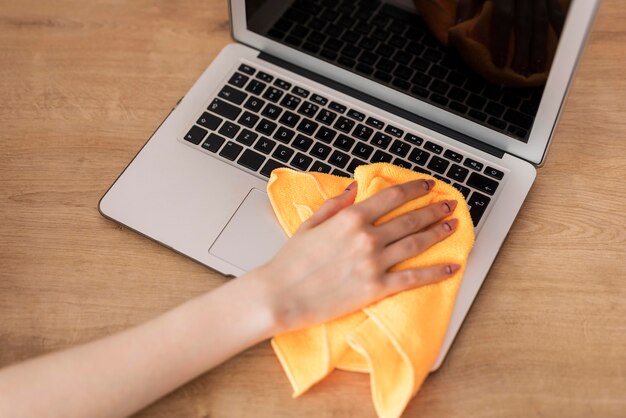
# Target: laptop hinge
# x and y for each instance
(384, 105)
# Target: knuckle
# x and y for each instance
(413, 244)
(368, 241)
(373, 287)
(397, 193)
(354, 218)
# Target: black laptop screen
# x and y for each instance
(463, 57)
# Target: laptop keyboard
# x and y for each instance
(261, 122)
(394, 47)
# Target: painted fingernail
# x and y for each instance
(449, 206)
(448, 226)
(350, 186)
(452, 268)
(428, 184)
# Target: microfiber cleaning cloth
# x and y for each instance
(397, 339)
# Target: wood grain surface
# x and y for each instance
(83, 84)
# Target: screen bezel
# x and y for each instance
(575, 32)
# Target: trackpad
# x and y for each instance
(252, 236)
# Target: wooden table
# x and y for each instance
(84, 84)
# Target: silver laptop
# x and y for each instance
(328, 85)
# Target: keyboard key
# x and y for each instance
(344, 124)
(419, 156)
(290, 101)
(344, 142)
(414, 139)
(213, 142)
(265, 145)
(339, 159)
(438, 164)
(301, 161)
(283, 153)
(248, 119)
(454, 156)
(356, 115)
(195, 135)
(474, 165)
(321, 167)
(319, 100)
(307, 126)
(381, 140)
(273, 94)
(224, 109)
(299, 91)
(232, 95)
(251, 160)
(290, 119)
(354, 164)
(244, 68)
(231, 150)
(266, 127)
(482, 183)
(264, 77)
(464, 190)
(363, 132)
(421, 170)
(256, 87)
(337, 107)
(442, 178)
(209, 121)
(238, 80)
(401, 163)
(492, 172)
(284, 135)
(282, 84)
(254, 103)
(478, 204)
(375, 123)
(392, 130)
(247, 137)
(518, 119)
(308, 109)
(429, 146)
(303, 143)
(229, 129)
(400, 148)
(271, 111)
(326, 117)
(320, 150)
(325, 134)
(363, 151)
(270, 166)
(340, 173)
(458, 173)
(381, 157)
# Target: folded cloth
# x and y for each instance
(397, 339)
(472, 39)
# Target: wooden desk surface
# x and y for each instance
(84, 84)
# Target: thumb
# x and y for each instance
(332, 206)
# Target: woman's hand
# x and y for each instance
(338, 261)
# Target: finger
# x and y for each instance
(398, 281)
(392, 197)
(417, 243)
(501, 23)
(466, 9)
(523, 35)
(556, 16)
(414, 221)
(331, 207)
(538, 48)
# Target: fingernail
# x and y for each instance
(452, 268)
(350, 186)
(450, 225)
(449, 206)
(428, 184)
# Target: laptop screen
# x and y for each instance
(460, 55)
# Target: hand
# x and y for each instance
(338, 261)
(530, 19)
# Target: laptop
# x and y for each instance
(328, 85)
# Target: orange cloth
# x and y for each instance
(396, 340)
(472, 39)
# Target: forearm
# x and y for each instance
(120, 374)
